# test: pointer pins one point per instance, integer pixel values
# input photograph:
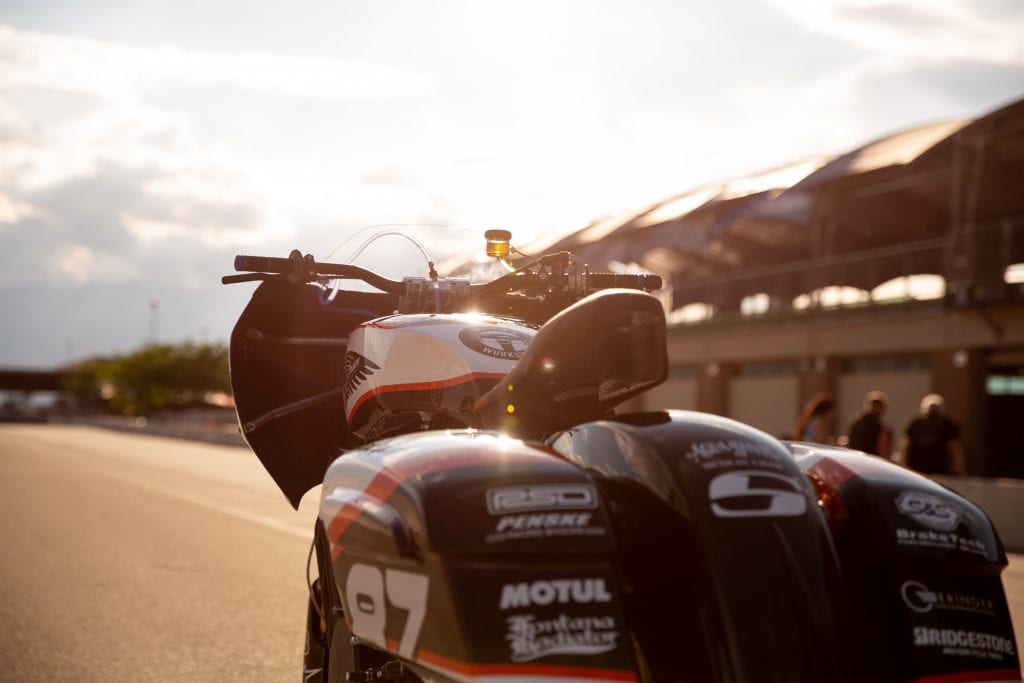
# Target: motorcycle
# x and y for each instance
(486, 514)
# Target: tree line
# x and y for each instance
(155, 377)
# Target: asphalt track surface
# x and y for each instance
(137, 558)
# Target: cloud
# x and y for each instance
(932, 31)
(117, 70)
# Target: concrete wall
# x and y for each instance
(1001, 499)
(769, 403)
(674, 393)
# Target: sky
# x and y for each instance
(143, 144)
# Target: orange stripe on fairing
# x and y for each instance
(985, 675)
(461, 453)
(380, 487)
(421, 386)
(507, 669)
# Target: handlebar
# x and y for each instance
(301, 268)
(624, 280)
(541, 287)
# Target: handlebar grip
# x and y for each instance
(263, 264)
(625, 280)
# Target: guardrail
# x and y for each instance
(209, 430)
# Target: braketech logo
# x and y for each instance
(541, 497)
(503, 343)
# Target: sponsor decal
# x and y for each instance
(555, 591)
(755, 493)
(530, 638)
(496, 342)
(541, 497)
(922, 600)
(929, 510)
(733, 453)
(961, 643)
(366, 590)
(543, 525)
(945, 541)
(357, 369)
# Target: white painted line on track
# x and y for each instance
(218, 506)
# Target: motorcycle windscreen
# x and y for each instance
(287, 362)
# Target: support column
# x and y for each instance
(713, 387)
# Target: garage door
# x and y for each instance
(768, 402)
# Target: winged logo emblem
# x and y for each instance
(357, 369)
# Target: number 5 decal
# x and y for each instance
(365, 592)
(755, 493)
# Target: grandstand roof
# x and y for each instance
(944, 198)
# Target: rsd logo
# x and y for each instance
(541, 497)
(503, 343)
(756, 493)
(928, 510)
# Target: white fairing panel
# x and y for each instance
(419, 352)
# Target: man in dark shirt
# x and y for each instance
(931, 444)
(868, 433)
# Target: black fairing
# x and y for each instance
(287, 369)
(727, 567)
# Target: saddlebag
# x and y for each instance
(473, 556)
(922, 567)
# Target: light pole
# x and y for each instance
(154, 318)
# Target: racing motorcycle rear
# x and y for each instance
(486, 515)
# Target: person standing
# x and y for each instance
(815, 422)
(868, 433)
(931, 443)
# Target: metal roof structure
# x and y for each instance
(945, 199)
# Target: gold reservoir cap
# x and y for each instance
(498, 243)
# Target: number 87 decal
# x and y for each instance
(365, 593)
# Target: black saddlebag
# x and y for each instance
(922, 565)
(727, 568)
(473, 556)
